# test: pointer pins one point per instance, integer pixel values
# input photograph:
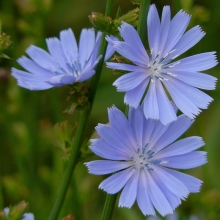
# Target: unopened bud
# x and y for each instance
(100, 22)
(131, 17)
(5, 42)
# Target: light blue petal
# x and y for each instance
(100, 167)
(129, 193)
(88, 70)
(27, 76)
(153, 25)
(150, 103)
(95, 57)
(61, 80)
(69, 44)
(181, 100)
(42, 58)
(180, 147)
(110, 49)
(192, 183)
(186, 161)
(29, 80)
(157, 197)
(131, 37)
(148, 128)
(114, 138)
(34, 85)
(197, 97)
(56, 51)
(129, 52)
(172, 199)
(133, 97)
(175, 130)
(143, 198)
(86, 45)
(136, 120)
(34, 68)
(188, 40)
(120, 123)
(166, 111)
(165, 26)
(105, 150)
(28, 216)
(199, 62)
(171, 183)
(157, 132)
(197, 79)
(114, 183)
(129, 81)
(177, 27)
(85, 76)
(123, 66)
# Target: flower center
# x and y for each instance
(158, 66)
(73, 67)
(144, 159)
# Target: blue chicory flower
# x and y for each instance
(158, 72)
(141, 153)
(64, 64)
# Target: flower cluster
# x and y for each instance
(140, 150)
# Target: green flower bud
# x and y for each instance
(100, 22)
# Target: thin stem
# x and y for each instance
(74, 155)
(1, 193)
(142, 25)
(109, 7)
(75, 150)
(142, 31)
(109, 206)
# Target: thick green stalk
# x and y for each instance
(109, 206)
(142, 31)
(142, 20)
(74, 154)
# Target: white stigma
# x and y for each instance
(157, 68)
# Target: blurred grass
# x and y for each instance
(31, 162)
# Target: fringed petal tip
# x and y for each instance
(110, 40)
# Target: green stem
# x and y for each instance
(1, 193)
(109, 206)
(74, 154)
(142, 25)
(142, 31)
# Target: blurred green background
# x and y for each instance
(34, 151)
